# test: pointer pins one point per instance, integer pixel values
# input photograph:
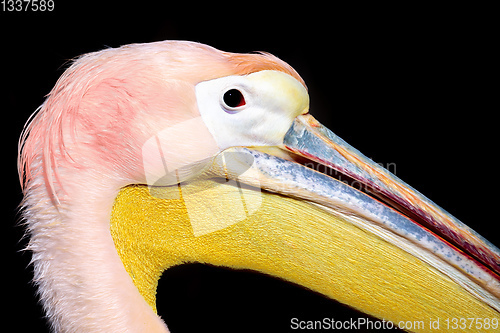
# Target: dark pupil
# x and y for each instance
(233, 98)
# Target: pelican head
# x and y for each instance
(153, 155)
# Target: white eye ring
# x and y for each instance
(233, 100)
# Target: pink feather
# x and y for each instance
(97, 97)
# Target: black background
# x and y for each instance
(412, 86)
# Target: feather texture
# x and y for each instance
(101, 92)
(81, 146)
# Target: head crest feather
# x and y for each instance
(42, 145)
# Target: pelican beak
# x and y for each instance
(315, 165)
(312, 210)
(316, 143)
(316, 212)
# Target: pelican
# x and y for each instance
(152, 155)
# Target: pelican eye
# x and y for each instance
(233, 98)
